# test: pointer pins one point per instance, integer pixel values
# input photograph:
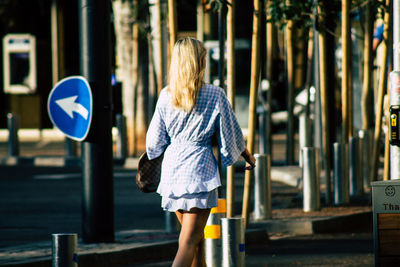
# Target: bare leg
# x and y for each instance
(191, 238)
(179, 215)
(199, 259)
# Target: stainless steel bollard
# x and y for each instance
(355, 179)
(340, 177)
(233, 246)
(212, 234)
(121, 143)
(64, 250)
(365, 143)
(304, 135)
(13, 141)
(262, 187)
(262, 130)
(70, 148)
(311, 177)
(170, 222)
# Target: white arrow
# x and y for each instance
(69, 105)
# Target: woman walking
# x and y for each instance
(188, 113)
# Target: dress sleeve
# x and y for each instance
(157, 138)
(230, 136)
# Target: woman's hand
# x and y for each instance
(250, 159)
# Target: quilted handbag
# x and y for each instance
(148, 173)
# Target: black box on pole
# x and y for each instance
(97, 168)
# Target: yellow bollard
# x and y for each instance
(212, 234)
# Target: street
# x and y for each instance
(38, 201)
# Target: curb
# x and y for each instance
(155, 251)
(49, 161)
(115, 254)
(354, 223)
(111, 256)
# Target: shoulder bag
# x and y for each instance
(148, 173)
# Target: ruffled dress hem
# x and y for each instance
(178, 190)
(203, 200)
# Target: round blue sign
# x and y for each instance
(70, 107)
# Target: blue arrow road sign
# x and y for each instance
(70, 107)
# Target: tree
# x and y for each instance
(381, 92)
(292, 16)
(131, 30)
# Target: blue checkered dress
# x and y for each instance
(189, 174)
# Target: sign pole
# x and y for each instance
(97, 168)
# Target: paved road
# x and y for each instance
(38, 201)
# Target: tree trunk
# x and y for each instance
(324, 104)
(135, 81)
(254, 82)
(290, 81)
(310, 56)
(367, 79)
(158, 41)
(345, 70)
(200, 20)
(271, 49)
(381, 92)
(230, 176)
(172, 24)
(142, 98)
(123, 12)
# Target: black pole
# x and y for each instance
(97, 168)
(221, 72)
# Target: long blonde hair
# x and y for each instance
(186, 72)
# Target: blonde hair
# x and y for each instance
(186, 72)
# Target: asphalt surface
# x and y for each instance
(38, 201)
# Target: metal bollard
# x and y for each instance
(70, 148)
(340, 177)
(64, 250)
(365, 142)
(212, 234)
(262, 187)
(170, 222)
(13, 141)
(311, 183)
(233, 246)
(121, 143)
(262, 131)
(355, 179)
(304, 135)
